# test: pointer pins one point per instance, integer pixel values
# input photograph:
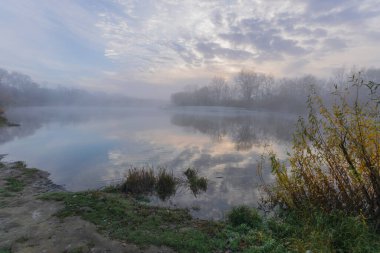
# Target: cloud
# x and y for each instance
(211, 50)
(167, 42)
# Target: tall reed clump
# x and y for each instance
(166, 185)
(139, 181)
(335, 160)
(145, 181)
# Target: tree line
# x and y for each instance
(17, 89)
(252, 90)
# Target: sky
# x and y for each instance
(150, 48)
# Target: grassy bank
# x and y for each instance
(120, 216)
(126, 219)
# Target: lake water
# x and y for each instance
(87, 148)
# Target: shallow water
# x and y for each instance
(87, 148)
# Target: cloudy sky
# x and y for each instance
(150, 47)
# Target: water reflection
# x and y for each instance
(245, 130)
(90, 147)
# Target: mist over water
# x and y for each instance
(87, 148)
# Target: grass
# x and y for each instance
(140, 181)
(125, 219)
(195, 183)
(244, 215)
(244, 230)
(76, 250)
(122, 217)
(14, 185)
(166, 185)
(144, 181)
(321, 232)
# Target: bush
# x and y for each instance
(335, 162)
(318, 231)
(244, 215)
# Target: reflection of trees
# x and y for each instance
(244, 130)
(245, 136)
(32, 119)
(214, 128)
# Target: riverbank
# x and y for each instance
(29, 224)
(39, 216)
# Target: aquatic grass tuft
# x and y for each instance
(166, 184)
(143, 181)
(195, 183)
(140, 181)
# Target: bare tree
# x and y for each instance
(219, 90)
(248, 84)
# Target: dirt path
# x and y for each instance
(28, 224)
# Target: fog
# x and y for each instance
(258, 91)
(247, 89)
(17, 89)
(90, 147)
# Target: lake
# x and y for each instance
(87, 148)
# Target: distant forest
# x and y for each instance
(258, 91)
(17, 89)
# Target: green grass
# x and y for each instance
(126, 219)
(244, 215)
(123, 217)
(320, 232)
(244, 230)
(76, 250)
(17, 183)
(14, 185)
(5, 251)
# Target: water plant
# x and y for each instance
(145, 181)
(195, 182)
(166, 184)
(139, 181)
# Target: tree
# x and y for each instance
(248, 84)
(219, 90)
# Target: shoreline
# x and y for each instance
(37, 215)
(30, 224)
